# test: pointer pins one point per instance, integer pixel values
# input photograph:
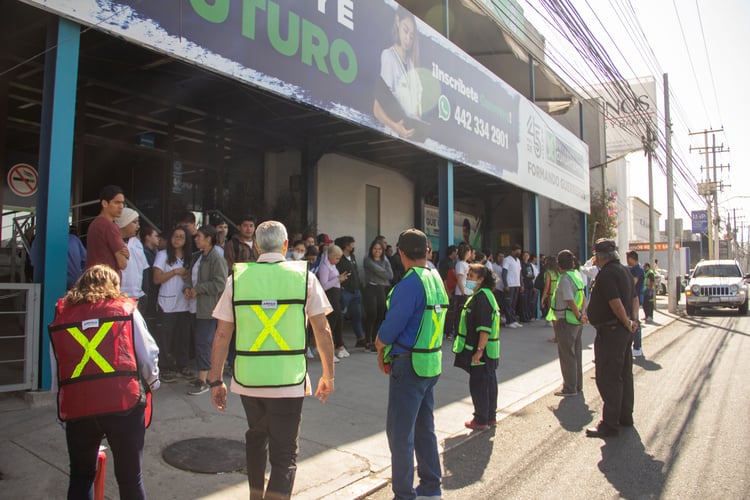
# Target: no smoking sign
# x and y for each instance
(23, 179)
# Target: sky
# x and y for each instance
(708, 78)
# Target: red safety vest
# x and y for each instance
(97, 369)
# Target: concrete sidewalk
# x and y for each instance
(343, 449)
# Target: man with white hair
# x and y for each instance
(270, 301)
(132, 275)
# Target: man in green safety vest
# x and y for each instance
(568, 305)
(409, 349)
(270, 302)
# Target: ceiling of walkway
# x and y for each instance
(125, 91)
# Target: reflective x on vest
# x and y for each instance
(90, 352)
(269, 327)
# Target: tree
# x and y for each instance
(602, 222)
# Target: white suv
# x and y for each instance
(717, 283)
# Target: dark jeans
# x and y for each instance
(373, 300)
(204, 339)
(125, 435)
(614, 373)
(648, 303)
(273, 434)
(352, 303)
(410, 428)
(483, 389)
(511, 301)
(174, 338)
(335, 319)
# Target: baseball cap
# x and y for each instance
(323, 238)
(413, 241)
(605, 245)
(127, 216)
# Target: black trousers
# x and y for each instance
(373, 300)
(125, 436)
(483, 389)
(614, 373)
(272, 435)
(335, 319)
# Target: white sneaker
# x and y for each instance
(637, 353)
(342, 352)
(518, 325)
(309, 353)
(336, 359)
(549, 323)
(512, 325)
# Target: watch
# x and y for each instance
(216, 383)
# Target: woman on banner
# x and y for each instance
(398, 91)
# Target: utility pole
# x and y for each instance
(710, 189)
(674, 274)
(649, 145)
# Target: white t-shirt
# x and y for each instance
(132, 275)
(513, 266)
(317, 303)
(462, 270)
(171, 297)
(403, 80)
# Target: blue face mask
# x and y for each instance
(471, 285)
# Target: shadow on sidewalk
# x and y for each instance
(465, 465)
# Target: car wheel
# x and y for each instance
(663, 289)
(743, 309)
(690, 310)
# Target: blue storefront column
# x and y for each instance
(445, 206)
(55, 173)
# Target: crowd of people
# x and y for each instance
(211, 307)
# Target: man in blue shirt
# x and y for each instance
(410, 425)
(639, 278)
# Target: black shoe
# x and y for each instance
(601, 431)
(361, 343)
(566, 394)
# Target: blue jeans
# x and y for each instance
(352, 302)
(204, 339)
(410, 428)
(125, 436)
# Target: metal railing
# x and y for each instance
(19, 337)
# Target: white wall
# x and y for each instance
(341, 185)
(639, 220)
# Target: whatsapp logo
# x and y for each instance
(444, 108)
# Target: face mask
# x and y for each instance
(298, 255)
(471, 285)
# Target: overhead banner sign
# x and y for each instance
(627, 115)
(372, 63)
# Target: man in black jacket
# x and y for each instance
(351, 289)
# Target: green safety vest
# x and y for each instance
(554, 277)
(578, 298)
(269, 312)
(492, 350)
(426, 353)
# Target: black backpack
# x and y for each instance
(539, 281)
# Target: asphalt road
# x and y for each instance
(691, 437)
